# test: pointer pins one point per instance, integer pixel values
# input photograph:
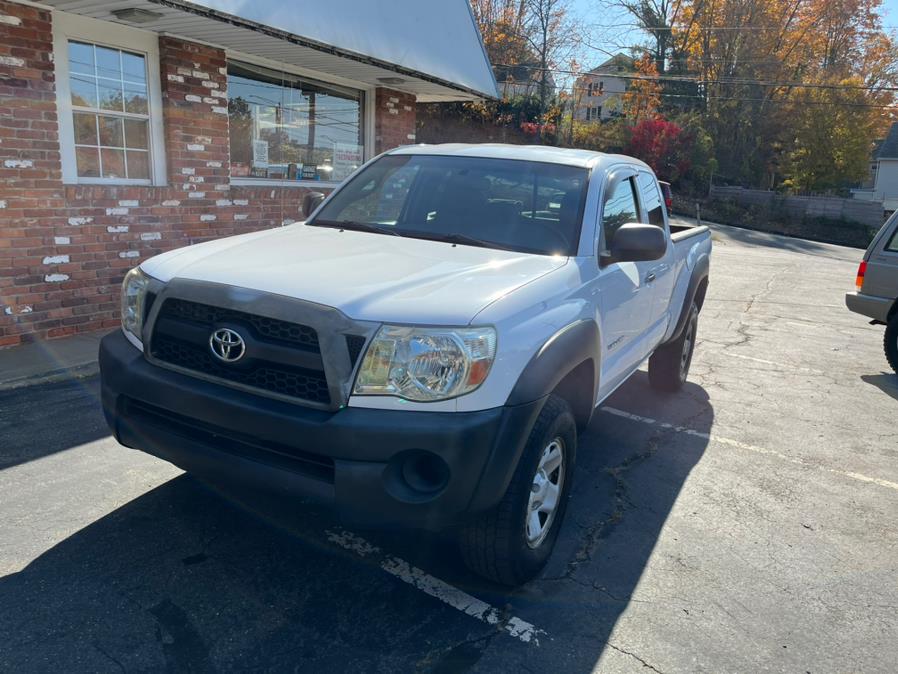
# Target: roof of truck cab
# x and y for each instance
(539, 153)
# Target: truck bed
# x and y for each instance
(681, 232)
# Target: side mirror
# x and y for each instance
(636, 242)
(310, 202)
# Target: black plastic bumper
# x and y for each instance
(376, 467)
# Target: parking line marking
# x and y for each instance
(774, 363)
(888, 484)
(436, 588)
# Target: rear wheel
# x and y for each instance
(890, 343)
(669, 365)
(511, 543)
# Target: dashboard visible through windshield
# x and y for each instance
(509, 204)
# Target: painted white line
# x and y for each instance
(751, 448)
(787, 366)
(436, 588)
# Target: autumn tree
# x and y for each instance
(643, 96)
(663, 145)
(755, 61)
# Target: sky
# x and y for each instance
(613, 33)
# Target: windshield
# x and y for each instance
(510, 204)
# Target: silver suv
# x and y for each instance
(877, 286)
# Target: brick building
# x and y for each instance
(131, 128)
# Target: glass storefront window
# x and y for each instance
(289, 128)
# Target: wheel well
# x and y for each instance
(578, 390)
(700, 293)
(893, 311)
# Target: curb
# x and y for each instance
(73, 373)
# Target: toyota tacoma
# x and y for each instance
(422, 350)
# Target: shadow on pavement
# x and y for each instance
(885, 382)
(62, 415)
(789, 242)
(185, 580)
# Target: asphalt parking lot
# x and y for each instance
(746, 524)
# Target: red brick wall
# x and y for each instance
(394, 119)
(65, 248)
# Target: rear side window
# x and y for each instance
(620, 208)
(651, 198)
(893, 244)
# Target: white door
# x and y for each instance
(661, 274)
(625, 296)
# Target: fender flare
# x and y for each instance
(700, 273)
(562, 353)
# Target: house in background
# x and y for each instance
(133, 127)
(598, 93)
(883, 182)
(522, 81)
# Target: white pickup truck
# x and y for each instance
(423, 349)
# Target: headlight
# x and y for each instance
(134, 290)
(426, 364)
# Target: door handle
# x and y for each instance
(651, 277)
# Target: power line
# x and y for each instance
(696, 80)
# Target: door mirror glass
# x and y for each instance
(311, 201)
(636, 242)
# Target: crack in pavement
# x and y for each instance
(633, 655)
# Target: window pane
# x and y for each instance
(81, 58)
(110, 131)
(108, 63)
(113, 163)
(620, 208)
(526, 206)
(88, 160)
(84, 91)
(651, 198)
(135, 98)
(136, 134)
(110, 95)
(134, 67)
(284, 127)
(893, 244)
(138, 164)
(85, 129)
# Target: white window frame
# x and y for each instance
(368, 125)
(71, 27)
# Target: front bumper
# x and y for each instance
(871, 306)
(375, 467)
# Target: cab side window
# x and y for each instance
(620, 208)
(651, 198)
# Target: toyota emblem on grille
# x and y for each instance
(227, 345)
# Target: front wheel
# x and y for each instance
(511, 543)
(890, 343)
(669, 365)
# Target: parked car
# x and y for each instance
(877, 286)
(422, 351)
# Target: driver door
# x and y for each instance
(625, 292)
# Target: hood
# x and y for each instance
(369, 277)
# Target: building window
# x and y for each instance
(589, 89)
(108, 94)
(286, 127)
(110, 108)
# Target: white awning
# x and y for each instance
(427, 48)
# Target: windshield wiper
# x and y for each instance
(464, 240)
(354, 226)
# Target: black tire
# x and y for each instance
(669, 365)
(890, 343)
(495, 545)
